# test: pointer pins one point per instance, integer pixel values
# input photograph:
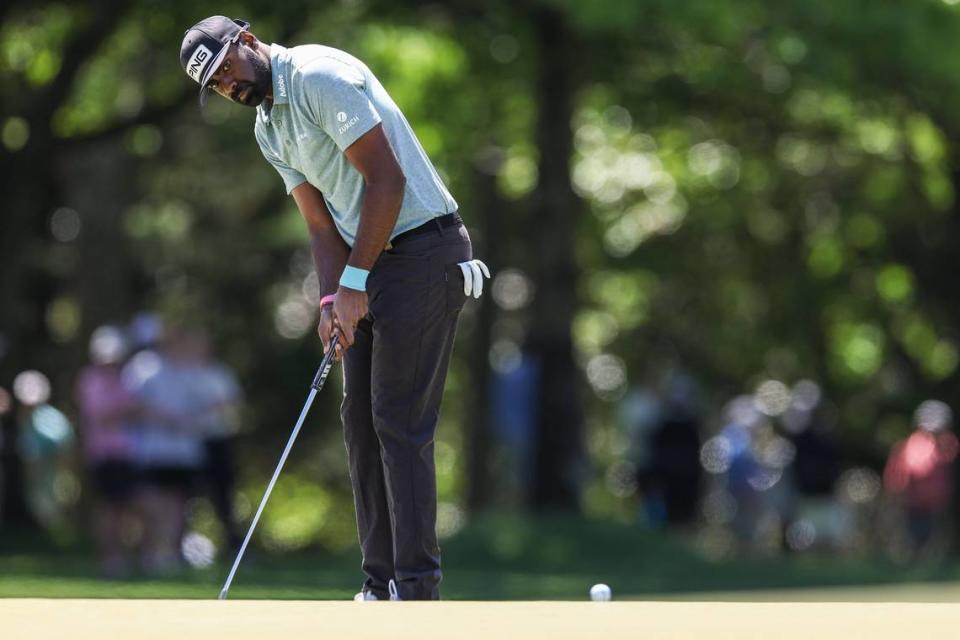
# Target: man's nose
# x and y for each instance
(228, 83)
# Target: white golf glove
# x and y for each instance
(473, 274)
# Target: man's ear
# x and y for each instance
(248, 38)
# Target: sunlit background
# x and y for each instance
(722, 327)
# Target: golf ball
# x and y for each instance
(600, 593)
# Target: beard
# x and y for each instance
(252, 93)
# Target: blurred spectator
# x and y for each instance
(639, 415)
(745, 477)
(817, 463)
(670, 477)
(218, 397)
(820, 519)
(513, 410)
(107, 411)
(6, 405)
(750, 462)
(920, 475)
(816, 466)
(146, 331)
(169, 448)
(45, 443)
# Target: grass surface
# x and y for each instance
(494, 558)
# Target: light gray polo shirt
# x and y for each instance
(323, 100)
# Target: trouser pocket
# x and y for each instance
(453, 288)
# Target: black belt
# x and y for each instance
(437, 224)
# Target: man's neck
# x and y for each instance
(266, 49)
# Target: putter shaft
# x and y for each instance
(318, 380)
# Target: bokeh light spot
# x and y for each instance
(716, 454)
(859, 485)
(293, 318)
(31, 387)
(15, 133)
(198, 550)
(65, 224)
(505, 356)
(607, 375)
(801, 535)
(772, 398)
(512, 289)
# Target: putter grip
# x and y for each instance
(325, 365)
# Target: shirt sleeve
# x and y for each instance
(335, 93)
(291, 177)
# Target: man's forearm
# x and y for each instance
(378, 217)
(330, 254)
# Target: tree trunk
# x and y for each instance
(559, 448)
(491, 207)
(24, 290)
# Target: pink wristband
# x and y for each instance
(325, 300)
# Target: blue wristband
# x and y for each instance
(354, 278)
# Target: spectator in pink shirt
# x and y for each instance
(920, 475)
(107, 409)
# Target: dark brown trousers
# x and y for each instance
(394, 376)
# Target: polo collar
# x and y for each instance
(279, 72)
(279, 66)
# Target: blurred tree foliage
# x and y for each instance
(742, 189)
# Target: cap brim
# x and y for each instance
(204, 90)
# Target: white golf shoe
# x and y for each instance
(368, 596)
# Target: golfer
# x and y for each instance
(395, 269)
